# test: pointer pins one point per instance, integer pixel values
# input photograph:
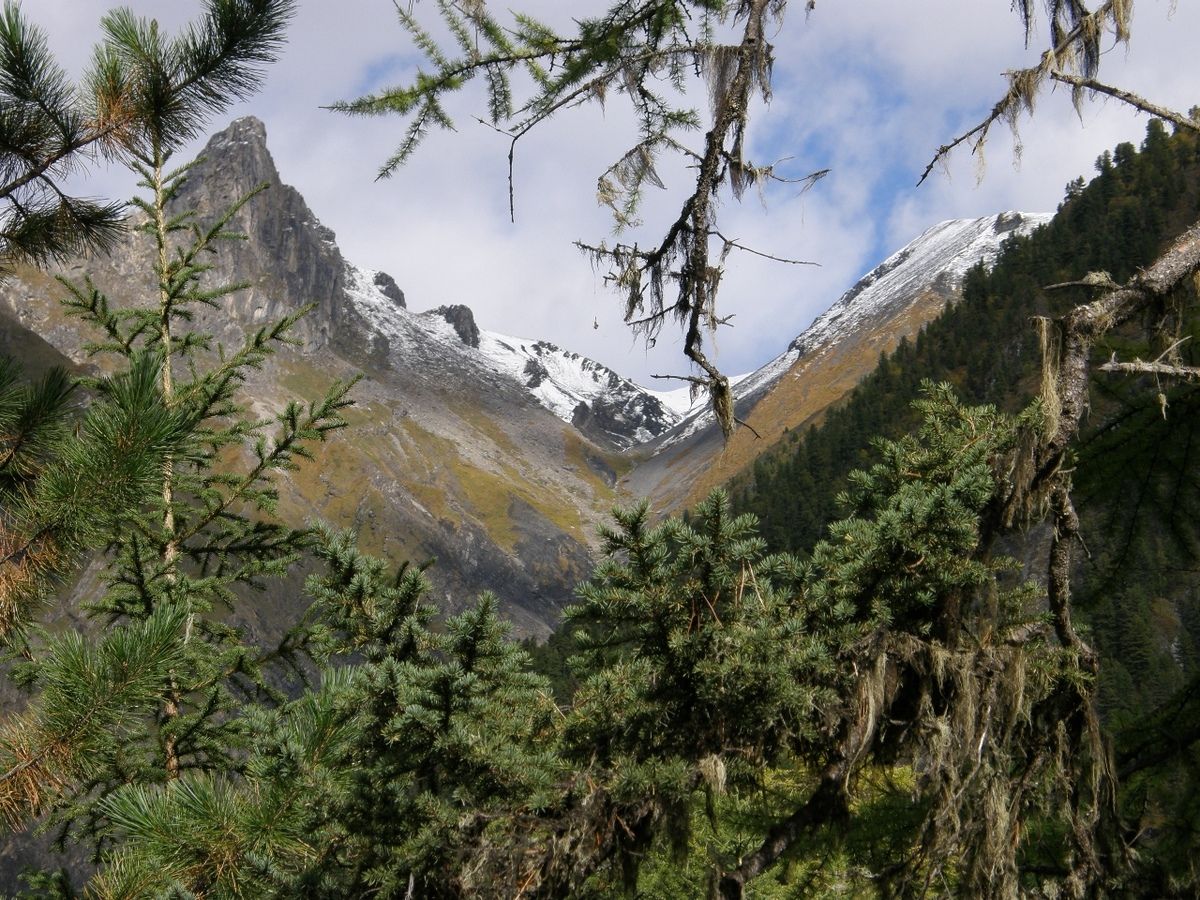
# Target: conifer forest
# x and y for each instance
(941, 641)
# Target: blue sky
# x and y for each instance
(868, 89)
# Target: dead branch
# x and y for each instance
(1137, 102)
(1085, 324)
(1017, 92)
(1065, 389)
(1156, 366)
(1138, 367)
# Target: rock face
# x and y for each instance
(611, 410)
(388, 287)
(289, 258)
(462, 320)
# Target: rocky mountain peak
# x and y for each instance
(289, 257)
(245, 139)
(233, 163)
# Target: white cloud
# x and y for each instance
(869, 89)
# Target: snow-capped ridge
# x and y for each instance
(605, 405)
(574, 388)
(937, 260)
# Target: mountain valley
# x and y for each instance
(494, 455)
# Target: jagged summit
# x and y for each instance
(242, 146)
(292, 259)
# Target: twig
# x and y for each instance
(735, 245)
(757, 436)
(691, 379)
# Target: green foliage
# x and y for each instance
(909, 542)
(45, 132)
(738, 713)
(206, 832)
(167, 470)
(684, 637)
(445, 730)
(370, 785)
(90, 694)
(66, 491)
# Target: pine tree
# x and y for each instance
(177, 557)
(375, 784)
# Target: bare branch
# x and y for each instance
(690, 379)
(1023, 84)
(1137, 367)
(1132, 99)
(729, 243)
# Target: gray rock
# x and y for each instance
(387, 285)
(463, 321)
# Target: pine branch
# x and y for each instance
(88, 694)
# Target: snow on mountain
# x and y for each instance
(603, 404)
(938, 260)
(576, 389)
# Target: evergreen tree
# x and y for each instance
(177, 556)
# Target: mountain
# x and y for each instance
(494, 455)
(892, 301)
(360, 306)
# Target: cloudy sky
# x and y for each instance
(866, 88)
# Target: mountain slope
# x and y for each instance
(494, 454)
(453, 453)
(892, 301)
(1136, 468)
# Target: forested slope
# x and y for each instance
(1136, 469)
(986, 345)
